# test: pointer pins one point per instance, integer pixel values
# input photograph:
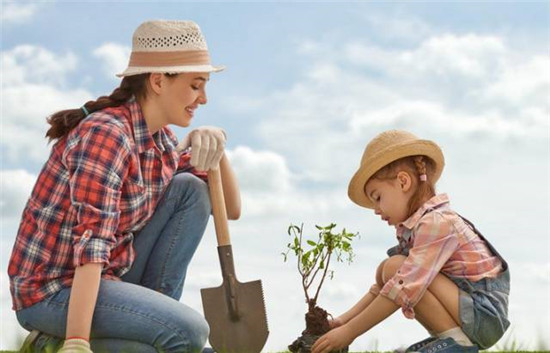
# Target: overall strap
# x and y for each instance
(489, 245)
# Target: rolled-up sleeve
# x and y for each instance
(434, 243)
(97, 163)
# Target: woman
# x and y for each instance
(120, 207)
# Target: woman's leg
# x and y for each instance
(127, 318)
(165, 246)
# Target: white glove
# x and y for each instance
(75, 345)
(207, 145)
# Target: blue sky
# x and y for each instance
(307, 85)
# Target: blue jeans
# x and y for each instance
(142, 313)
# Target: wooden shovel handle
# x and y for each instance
(218, 207)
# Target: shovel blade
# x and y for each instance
(245, 334)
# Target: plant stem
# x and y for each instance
(322, 278)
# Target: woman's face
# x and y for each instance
(180, 96)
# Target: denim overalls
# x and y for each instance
(484, 304)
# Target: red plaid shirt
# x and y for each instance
(99, 186)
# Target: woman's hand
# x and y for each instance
(335, 339)
(75, 345)
(207, 146)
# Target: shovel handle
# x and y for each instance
(218, 207)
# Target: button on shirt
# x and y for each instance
(438, 241)
(99, 186)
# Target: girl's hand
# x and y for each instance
(335, 322)
(75, 345)
(335, 339)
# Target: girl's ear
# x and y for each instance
(405, 181)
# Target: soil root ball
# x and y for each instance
(304, 343)
(316, 326)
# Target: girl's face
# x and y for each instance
(391, 197)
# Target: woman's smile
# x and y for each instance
(191, 110)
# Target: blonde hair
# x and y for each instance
(415, 166)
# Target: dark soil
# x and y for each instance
(316, 326)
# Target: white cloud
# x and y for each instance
(537, 272)
(527, 83)
(33, 64)
(15, 188)
(260, 171)
(269, 189)
(436, 58)
(114, 56)
(460, 56)
(29, 104)
(12, 333)
(34, 85)
(397, 25)
(529, 122)
(17, 12)
(447, 86)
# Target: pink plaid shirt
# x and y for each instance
(438, 241)
(100, 185)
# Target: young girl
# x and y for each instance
(443, 273)
(119, 208)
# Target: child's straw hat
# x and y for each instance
(385, 148)
(169, 47)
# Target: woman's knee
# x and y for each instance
(191, 190)
(391, 266)
(195, 333)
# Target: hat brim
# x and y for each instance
(137, 70)
(356, 188)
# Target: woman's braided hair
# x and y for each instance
(64, 121)
(415, 166)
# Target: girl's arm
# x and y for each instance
(230, 189)
(83, 299)
(366, 300)
(340, 337)
(380, 309)
(357, 308)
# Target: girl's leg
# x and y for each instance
(437, 311)
(165, 246)
(127, 318)
(379, 271)
(442, 295)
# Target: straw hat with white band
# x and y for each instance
(169, 47)
(385, 148)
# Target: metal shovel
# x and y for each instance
(235, 311)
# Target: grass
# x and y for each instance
(505, 351)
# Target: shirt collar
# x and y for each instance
(142, 136)
(164, 139)
(435, 202)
